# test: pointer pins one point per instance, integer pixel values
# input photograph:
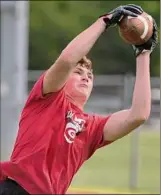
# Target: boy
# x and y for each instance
(55, 136)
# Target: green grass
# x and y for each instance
(109, 168)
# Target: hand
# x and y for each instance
(150, 44)
(115, 16)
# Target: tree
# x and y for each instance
(53, 24)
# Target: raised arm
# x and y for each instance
(58, 73)
(123, 122)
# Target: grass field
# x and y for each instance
(108, 170)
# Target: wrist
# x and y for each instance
(106, 19)
(144, 53)
(143, 60)
(102, 22)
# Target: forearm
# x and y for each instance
(82, 44)
(141, 103)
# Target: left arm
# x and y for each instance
(123, 122)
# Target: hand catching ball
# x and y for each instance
(136, 30)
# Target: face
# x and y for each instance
(80, 83)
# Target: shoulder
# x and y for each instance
(96, 120)
(36, 92)
(95, 123)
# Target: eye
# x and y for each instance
(90, 77)
(78, 72)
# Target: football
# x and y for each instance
(136, 30)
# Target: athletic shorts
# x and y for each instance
(10, 187)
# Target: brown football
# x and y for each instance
(136, 30)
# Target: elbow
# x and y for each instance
(138, 120)
(140, 117)
(143, 116)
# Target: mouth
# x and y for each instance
(84, 85)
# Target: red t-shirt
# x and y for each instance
(54, 139)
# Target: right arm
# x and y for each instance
(58, 73)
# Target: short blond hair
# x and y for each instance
(85, 62)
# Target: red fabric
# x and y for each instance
(47, 153)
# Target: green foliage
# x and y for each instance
(53, 24)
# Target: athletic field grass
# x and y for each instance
(108, 170)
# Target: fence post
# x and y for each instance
(13, 70)
(134, 144)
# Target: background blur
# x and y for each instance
(32, 36)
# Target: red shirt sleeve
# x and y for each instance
(37, 90)
(95, 135)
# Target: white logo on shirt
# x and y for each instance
(74, 125)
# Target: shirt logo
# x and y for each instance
(74, 126)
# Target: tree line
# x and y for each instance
(53, 24)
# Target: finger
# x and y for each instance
(136, 6)
(129, 13)
(155, 25)
(111, 12)
(114, 10)
(155, 36)
(133, 9)
(155, 30)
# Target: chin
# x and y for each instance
(82, 93)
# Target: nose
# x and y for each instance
(85, 78)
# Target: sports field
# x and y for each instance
(109, 169)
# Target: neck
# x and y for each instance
(77, 101)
